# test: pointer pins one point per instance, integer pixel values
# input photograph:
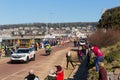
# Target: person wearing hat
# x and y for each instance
(51, 75)
(59, 73)
(102, 72)
(31, 76)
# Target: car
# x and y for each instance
(23, 55)
(82, 42)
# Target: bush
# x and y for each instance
(103, 38)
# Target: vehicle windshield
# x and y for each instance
(22, 51)
(82, 41)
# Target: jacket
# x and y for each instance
(31, 77)
(97, 51)
(102, 74)
(60, 75)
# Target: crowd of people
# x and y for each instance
(54, 74)
(83, 50)
(92, 50)
(7, 50)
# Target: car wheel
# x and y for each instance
(27, 59)
(11, 62)
(33, 58)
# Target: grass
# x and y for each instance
(111, 60)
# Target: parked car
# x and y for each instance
(23, 55)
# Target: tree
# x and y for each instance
(110, 19)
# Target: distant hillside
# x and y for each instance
(70, 24)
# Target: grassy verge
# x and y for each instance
(111, 60)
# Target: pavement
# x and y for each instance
(42, 68)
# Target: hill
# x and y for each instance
(69, 24)
(110, 19)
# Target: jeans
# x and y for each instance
(96, 61)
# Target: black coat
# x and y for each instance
(31, 77)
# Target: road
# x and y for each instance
(41, 65)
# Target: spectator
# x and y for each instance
(102, 72)
(69, 59)
(78, 43)
(80, 54)
(59, 73)
(98, 56)
(36, 46)
(88, 52)
(8, 52)
(75, 43)
(31, 76)
(0, 53)
(84, 50)
(51, 75)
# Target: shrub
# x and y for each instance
(104, 38)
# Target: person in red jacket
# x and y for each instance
(59, 73)
(102, 72)
(98, 56)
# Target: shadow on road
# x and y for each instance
(44, 54)
(9, 62)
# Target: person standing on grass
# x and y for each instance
(68, 59)
(98, 56)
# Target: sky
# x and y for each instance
(53, 11)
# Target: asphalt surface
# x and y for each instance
(41, 65)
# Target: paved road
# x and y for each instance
(41, 65)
